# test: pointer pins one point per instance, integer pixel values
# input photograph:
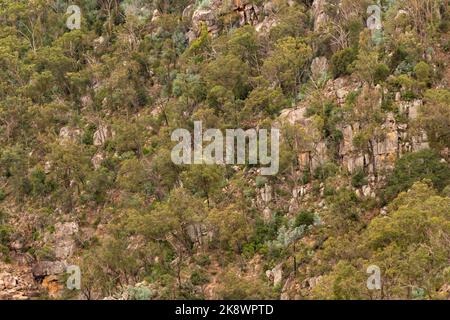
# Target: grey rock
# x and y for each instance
(319, 68)
(46, 268)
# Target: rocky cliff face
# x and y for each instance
(35, 273)
(217, 14)
(398, 139)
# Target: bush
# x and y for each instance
(325, 171)
(140, 293)
(5, 230)
(423, 72)
(359, 178)
(234, 287)
(413, 167)
(88, 135)
(381, 73)
(305, 218)
(341, 60)
(260, 181)
(199, 278)
(446, 46)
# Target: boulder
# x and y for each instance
(45, 268)
(7, 281)
(266, 193)
(63, 239)
(319, 15)
(293, 116)
(97, 160)
(267, 215)
(101, 135)
(319, 68)
(67, 134)
(53, 285)
(276, 274)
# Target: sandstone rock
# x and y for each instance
(48, 167)
(299, 192)
(68, 134)
(101, 135)
(97, 160)
(367, 191)
(63, 239)
(98, 42)
(341, 93)
(294, 116)
(319, 68)
(156, 15)
(197, 233)
(414, 109)
(267, 215)
(7, 281)
(266, 193)
(53, 286)
(188, 12)
(320, 17)
(16, 245)
(206, 16)
(276, 274)
(319, 155)
(86, 101)
(266, 25)
(312, 282)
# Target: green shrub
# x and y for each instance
(203, 260)
(88, 135)
(381, 73)
(413, 167)
(341, 60)
(199, 278)
(446, 46)
(140, 293)
(305, 218)
(359, 178)
(260, 181)
(327, 170)
(423, 72)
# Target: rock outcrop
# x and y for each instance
(17, 283)
(236, 13)
(396, 140)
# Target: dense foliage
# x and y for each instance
(85, 122)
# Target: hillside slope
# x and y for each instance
(360, 94)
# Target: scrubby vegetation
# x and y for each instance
(86, 117)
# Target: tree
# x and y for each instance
(368, 116)
(169, 222)
(434, 117)
(341, 60)
(204, 180)
(70, 165)
(232, 226)
(413, 167)
(233, 78)
(285, 65)
(413, 238)
(132, 175)
(237, 287)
